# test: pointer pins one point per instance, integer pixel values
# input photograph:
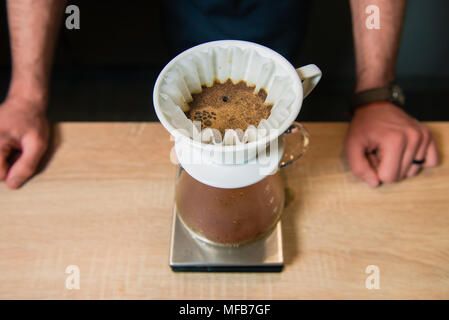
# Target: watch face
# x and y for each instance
(397, 95)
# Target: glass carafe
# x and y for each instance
(236, 216)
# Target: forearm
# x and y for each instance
(376, 49)
(33, 27)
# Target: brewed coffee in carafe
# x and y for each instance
(230, 216)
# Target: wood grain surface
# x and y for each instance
(103, 202)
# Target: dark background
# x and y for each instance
(106, 70)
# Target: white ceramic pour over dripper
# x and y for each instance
(240, 164)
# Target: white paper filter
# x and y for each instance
(202, 67)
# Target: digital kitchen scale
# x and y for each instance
(188, 253)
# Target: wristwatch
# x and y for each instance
(391, 93)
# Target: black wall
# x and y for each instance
(105, 71)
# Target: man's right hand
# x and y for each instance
(23, 127)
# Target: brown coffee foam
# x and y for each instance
(229, 105)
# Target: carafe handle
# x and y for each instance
(297, 139)
(310, 76)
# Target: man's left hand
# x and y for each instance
(385, 144)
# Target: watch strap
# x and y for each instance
(391, 93)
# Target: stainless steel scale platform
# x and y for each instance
(188, 253)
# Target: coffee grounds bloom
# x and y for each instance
(199, 69)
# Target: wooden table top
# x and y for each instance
(104, 204)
